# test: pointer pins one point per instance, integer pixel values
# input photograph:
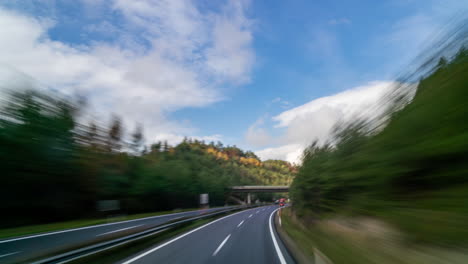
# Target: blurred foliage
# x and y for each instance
(55, 168)
(412, 172)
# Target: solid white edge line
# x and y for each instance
(240, 223)
(179, 237)
(95, 226)
(122, 229)
(8, 254)
(278, 250)
(221, 245)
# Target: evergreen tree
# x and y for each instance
(115, 134)
(137, 139)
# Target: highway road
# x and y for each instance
(22, 248)
(245, 237)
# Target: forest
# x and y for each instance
(57, 167)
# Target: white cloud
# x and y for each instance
(104, 27)
(230, 57)
(316, 119)
(282, 103)
(276, 100)
(346, 104)
(189, 56)
(290, 152)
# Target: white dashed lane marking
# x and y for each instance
(221, 245)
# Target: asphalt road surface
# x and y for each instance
(19, 249)
(245, 237)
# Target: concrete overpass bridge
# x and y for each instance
(256, 189)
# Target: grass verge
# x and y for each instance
(365, 241)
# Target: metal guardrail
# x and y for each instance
(261, 188)
(99, 247)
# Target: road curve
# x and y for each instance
(19, 249)
(245, 237)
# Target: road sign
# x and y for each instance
(204, 199)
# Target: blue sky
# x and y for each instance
(270, 76)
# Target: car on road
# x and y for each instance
(282, 202)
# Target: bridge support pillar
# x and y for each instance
(249, 198)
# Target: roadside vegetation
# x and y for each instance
(399, 185)
(362, 240)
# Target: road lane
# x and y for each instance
(22, 248)
(243, 237)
